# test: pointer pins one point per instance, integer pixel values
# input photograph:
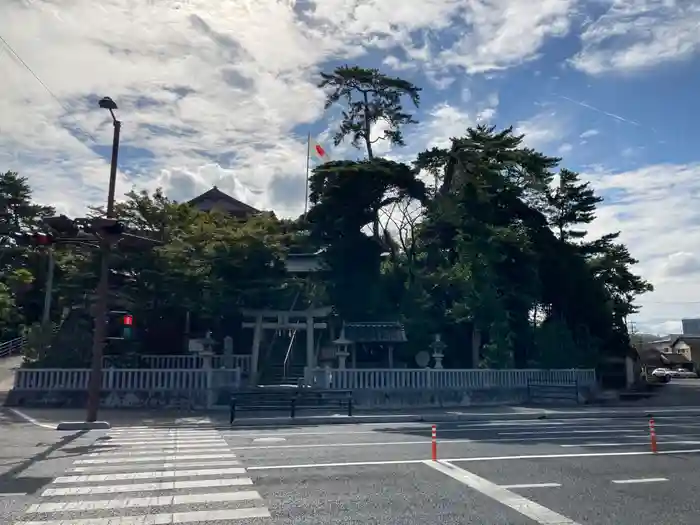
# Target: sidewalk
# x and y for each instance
(219, 419)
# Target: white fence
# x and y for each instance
(128, 379)
(414, 379)
(189, 362)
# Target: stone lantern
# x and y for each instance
(342, 344)
(437, 346)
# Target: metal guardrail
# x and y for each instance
(16, 345)
(13, 346)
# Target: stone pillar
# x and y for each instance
(391, 356)
(342, 356)
(257, 337)
(207, 355)
(310, 357)
(228, 352)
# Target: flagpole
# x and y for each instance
(308, 159)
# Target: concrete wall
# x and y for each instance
(200, 399)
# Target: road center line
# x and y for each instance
(640, 480)
(483, 458)
(502, 495)
(532, 486)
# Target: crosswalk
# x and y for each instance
(147, 476)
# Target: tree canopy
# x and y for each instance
(483, 242)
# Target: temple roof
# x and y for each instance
(375, 332)
(217, 199)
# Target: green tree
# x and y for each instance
(370, 97)
(573, 204)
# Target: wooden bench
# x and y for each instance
(293, 400)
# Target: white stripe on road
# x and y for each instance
(630, 444)
(152, 458)
(156, 464)
(148, 475)
(159, 440)
(520, 504)
(153, 501)
(482, 458)
(545, 432)
(641, 480)
(169, 518)
(167, 450)
(159, 444)
(148, 487)
(531, 486)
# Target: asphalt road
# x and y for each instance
(588, 470)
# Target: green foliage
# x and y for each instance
(369, 97)
(491, 255)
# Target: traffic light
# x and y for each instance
(120, 325)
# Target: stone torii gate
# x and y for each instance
(284, 320)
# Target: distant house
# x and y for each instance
(217, 200)
(679, 349)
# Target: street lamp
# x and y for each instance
(99, 334)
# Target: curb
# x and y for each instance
(441, 418)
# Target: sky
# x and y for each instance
(224, 93)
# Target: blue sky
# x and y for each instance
(224, 93)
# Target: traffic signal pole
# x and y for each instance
(99, 334)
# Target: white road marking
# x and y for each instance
(532, 486)
(30, 419)
(641, 480)
(630, 444)
(148, 487)
(152, 458)
(153, 501)
(158, 442)
(94, 469)
(159, 445)
(547, 432)
(149, 475)
(169, 518)
(520, 504)
(269, 439)
(167, 450)
(482, 458)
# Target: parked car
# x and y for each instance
(683, 373)
(661, 375)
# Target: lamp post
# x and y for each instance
(100, 311)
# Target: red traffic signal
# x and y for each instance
(128, 320)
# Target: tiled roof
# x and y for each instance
(375, 332)
(215, 194)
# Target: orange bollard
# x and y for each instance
(434, 442)
(652, 432)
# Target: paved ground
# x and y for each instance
(592, 469)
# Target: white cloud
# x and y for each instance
(543, 129)
(651, 207)
(213, 90)
(503, 33)
(639, 34)
(589, 133)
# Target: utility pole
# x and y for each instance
(99, 334)
(46, 314)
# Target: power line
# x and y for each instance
(43, 84)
